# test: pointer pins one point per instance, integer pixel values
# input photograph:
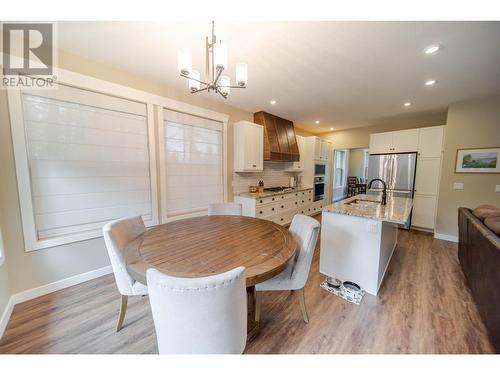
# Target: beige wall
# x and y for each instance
(470, 124)
(48, 265)
(356, 162)
(360, 137)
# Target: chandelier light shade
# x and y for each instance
(194, 80)
(215, 63)
(185, 61)
(220, 56)
(241, 74)
(225, 85)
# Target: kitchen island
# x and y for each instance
(358, 237)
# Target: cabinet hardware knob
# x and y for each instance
(273, 199)
(261, 201)
(281, 219)
(253, 165)
(260, 212)
(282, 206)
(296, 202)
(272, 209)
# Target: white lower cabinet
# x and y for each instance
(424, 211)
(280, 208)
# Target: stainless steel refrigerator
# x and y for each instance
(398, 172)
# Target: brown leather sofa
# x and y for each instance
(479, 255)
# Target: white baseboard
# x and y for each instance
(446, 237)
(26, 295)
(4, 318)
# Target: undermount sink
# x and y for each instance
(364, 202)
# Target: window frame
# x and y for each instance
(20, 148)
(160, 131)
(343, 168)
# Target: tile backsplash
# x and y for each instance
(274, 175)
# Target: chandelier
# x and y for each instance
(215, 64)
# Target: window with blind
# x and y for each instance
(89, 162)
(193, 172)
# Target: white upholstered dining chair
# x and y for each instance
(121, 238)
(229, 208)
(305, 230)
(206, 315)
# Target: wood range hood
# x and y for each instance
(280, 143)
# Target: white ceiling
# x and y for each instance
(345, 74)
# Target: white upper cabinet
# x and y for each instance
(399, 141)
(321, 149)
(381, 143)
(325, 150)
(317, 149)
(248, 147)
(430, 142)
(298, 166)
(405, 140)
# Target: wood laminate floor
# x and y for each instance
(423, 307)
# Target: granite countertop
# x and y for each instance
(271, 193)
(397, 210)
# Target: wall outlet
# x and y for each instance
(497, 188)
(458, 186)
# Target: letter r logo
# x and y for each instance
(33, 43)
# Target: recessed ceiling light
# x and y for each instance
(273, 102)
(316, 122)
(430, 82)
(407, 104)
(432, 49)
(331, 128)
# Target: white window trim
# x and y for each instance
(201, 112)
(108, 88)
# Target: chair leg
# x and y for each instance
(123, 310)
(302, 301)
(258, 302)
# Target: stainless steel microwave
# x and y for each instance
(319, 169)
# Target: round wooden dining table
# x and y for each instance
(208, 245)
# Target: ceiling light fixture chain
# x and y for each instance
(215, 64)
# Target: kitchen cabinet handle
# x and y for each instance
(282, 206)
(260, 212)
(272, 209)
(261, 201)
(253, 165)
(281, 219)
(273, 199)
(296, 202)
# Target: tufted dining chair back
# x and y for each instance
(206, 315)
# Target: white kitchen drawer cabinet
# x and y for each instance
(248, 147)
(424, 211)
(430, 142)
(405, 140)
(278, 208)
(266, 210)
(427, 176)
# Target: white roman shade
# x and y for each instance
(88, 160)
(193, 162)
